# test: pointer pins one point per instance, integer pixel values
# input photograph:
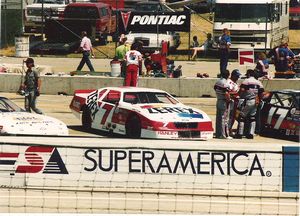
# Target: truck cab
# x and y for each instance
(258, 24)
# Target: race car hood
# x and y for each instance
(31, 124)
(171, 113)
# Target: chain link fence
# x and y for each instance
(11, 21)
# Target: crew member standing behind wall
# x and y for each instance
(121, 50)
(133, 59)
(32, 86)
(224, 49)
(223, 98)
(251, 91)
(86, 49)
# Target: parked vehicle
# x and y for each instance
(257, 24)
(140, 113)
(50, 8)
(280, 114)
(14, 120)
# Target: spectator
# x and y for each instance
(282, 56)
(195, 46)
(86, 49)
(233, 91)
(177, 72)
(120, 54)
(133, 60)
(251, 91)
(224, 49)
(204, 47)
(262, 66)
(31, 86)
(223, 98)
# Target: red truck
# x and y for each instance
(63, 35)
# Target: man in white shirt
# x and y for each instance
(86, 49)
(133, 59)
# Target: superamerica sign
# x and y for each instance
(154, 22)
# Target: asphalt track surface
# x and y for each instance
(18, 200)
(57, 106)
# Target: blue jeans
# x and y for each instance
(30, 102)
(85, 59)
(224, 57)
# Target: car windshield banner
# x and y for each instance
(132, 21)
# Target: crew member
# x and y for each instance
(251, 91)
(133, 59)
(223, 98)
(224, 49)
(31, 86)
(121, 50)
(86, 49)
(233, 91)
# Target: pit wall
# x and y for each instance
(183, 87)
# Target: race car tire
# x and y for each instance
(86, 119)
(133, 127)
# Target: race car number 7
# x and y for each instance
(282, 114)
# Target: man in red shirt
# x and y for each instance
(133, 59)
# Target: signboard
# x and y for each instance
(131, 167)
(246, 56)
(154, 22)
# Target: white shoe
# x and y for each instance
(229, 138)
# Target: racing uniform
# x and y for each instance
(233, 90)
(222, 91)
(250, 89)
(133, 59)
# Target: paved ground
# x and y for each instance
(58, 106)
(66, 65)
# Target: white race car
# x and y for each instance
(14, 120)
(140, 112)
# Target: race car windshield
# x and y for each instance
(8, 106)
(148, 97)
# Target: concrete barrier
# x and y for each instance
(183, 87)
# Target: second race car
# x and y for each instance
(140, 112)
(15, 121)
(280, 114)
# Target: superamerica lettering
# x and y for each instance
(158, 19)
(199, 163)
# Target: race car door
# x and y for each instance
(106, 108)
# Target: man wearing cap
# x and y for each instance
(223, 98)
(233, 91)
(251, 91)
(86, 49)
(31, 86)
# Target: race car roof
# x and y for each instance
(133, 89)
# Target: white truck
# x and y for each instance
(258, 24)
(52, 8)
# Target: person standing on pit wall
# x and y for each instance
(251, 90)
(121, 50)
(31, 86)
(87, 50)
(233, 91)
(133, 60)
(223, 98)
(224, 49)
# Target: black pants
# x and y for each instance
(85, 59)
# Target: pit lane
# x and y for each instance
(57, 106)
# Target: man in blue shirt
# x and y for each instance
(224, 45)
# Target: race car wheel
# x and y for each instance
(133, 127)
(86, 119)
